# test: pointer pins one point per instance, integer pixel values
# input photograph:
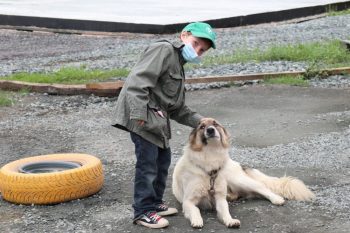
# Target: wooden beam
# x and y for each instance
(42, 87)
(225, 78)
(105, 85)
(113, 88)
(244, 77)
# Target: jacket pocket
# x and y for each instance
(172, 84)
(156, 124)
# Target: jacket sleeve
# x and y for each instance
(143, 77)
(184, 115)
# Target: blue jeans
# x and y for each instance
(151, 172)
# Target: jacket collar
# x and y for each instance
(178, 45)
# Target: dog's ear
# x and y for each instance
(195, 142)
(225, 139)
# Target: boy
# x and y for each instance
(154, 93)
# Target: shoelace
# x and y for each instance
(162, 207)
(154, 216)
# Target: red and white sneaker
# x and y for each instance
(151, 219)
(164, 210)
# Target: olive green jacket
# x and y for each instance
(157, 82)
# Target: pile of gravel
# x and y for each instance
(35, 51)
(335, 81)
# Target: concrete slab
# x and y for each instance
(152, 16)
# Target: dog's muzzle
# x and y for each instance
(211, 132)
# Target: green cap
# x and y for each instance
(202, 30)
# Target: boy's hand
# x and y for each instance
(141, 122)
(160, 113)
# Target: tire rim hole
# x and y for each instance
(48, 167)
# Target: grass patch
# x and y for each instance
(328, 53)
(68, 75)
(24, 91)
(5, 99)
(288, 80)
(336, 13)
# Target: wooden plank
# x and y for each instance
(208, 79)
(335, 71)
(245, 77)
(227, 78)
(57, 89)
(105, 85)
(113, 88)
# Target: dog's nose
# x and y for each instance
(210, 131)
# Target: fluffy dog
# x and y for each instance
(206, 177)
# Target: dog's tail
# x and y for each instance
(286, 186)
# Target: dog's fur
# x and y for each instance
(206, 177)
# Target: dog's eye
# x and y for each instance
(202, 127)
(215, 123)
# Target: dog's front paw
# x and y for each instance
(278, 200)
(197, 222)
(234, 223)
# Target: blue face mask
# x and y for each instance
(190, 54)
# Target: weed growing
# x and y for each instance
(288, 80)
(5, 99)
(68, 75)
(330, 54)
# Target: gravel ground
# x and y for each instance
(303, 132)
(300, 131)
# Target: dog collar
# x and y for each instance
(213, 174)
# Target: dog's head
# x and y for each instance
(208, 132)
